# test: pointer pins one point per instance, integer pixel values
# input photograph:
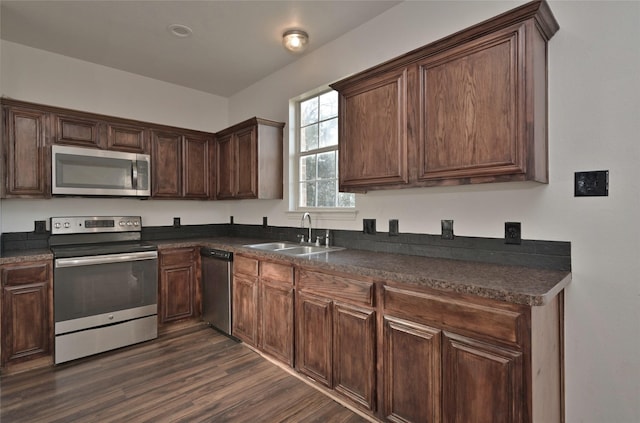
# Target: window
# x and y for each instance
(317, 153)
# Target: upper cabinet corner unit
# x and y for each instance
(469, 108)
(249, 160)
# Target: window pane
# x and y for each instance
(307, 194)
(308, 167)
(346, 199)
(309, 137)
(309, 111)
(328, 105)
(327, 193)
(329, 133)
(327, 165)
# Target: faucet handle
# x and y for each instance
(300, 238)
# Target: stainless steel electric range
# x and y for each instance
(105, 285)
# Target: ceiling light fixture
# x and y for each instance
(179, 30)
(295, 40)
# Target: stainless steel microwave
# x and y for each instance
(88, 171)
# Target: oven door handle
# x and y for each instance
(106, 259)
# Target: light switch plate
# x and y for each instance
(512, 233)
(594, 183)
(369, 226)
(393, 227)
(447, 229)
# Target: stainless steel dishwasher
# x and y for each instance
(216, 288)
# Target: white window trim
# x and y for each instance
(295, 212)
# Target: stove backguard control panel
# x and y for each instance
(80, 224)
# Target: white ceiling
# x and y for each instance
(234, 43)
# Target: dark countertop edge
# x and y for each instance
(559, 279)
(20, 256)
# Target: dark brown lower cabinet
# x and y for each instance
(482, 383)
(314, 322)
(354, 353)
(179, 293)
(27, 315)
(412, 371)
(277, 320)
(336, 346)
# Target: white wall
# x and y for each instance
(35, 75)
(594, 116)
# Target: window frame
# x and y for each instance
(337, 213)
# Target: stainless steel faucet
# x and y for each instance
(307, 216)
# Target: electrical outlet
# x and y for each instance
(512, 233)
(447, 229)
(369, 226)
(591, 184)
(393, 227)
(231, 219)
(176, 222)
(40, 227)
(264, 221)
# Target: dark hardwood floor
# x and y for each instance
(192, 375)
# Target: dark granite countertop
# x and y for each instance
(19, 256)
(514, 284)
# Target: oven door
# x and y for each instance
(102, 290)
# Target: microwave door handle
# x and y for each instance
(134, 175)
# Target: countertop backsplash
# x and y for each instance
(552, 255)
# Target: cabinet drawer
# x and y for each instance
(449, 313)
(276, 272)
(25, 274)
(245, 265)
(176, 257)
(336, 287)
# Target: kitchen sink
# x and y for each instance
(293, 249)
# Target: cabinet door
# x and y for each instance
(27, 162)
(127, 138)
(277, 320)
(73, 130)
(481, 383)
(373, 139)
(411, 392)
(225, 167)
(166, 165)
(354, 354)
(245, 309)
(177, 289)
(246, 168)
(196, 167)
(179, 292)
(314, 328)
(26, 312)
(471, 107)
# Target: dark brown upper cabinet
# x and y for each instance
(26, 159)
(180, 165)
(469, 108)
(249, 160)
(85, 130)
(180, 158)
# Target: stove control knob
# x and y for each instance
(136, 223)
(57, 225)
(128, 223)
(67, 224)
(121, 223)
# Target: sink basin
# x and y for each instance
(293, 249)
(272, 246)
